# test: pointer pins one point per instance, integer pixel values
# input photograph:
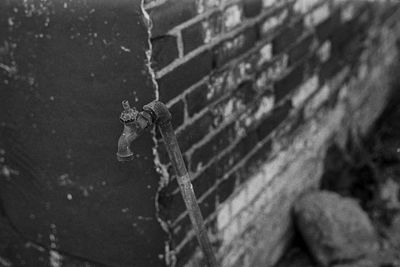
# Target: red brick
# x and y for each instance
(205, 181)
(187, 251)
(246, 91)
(235, 46)
(201, 32)
(178, 80)
(235, 104)
(170, 14)
(207, 205)
(324, 30)
(172, 205)
(164, 51)
(232, 17)
(192, 37)
(278, 115)
(301, 49)
(184, 225)
(185, 254)
(253, 164)
(197, 99)
(252, 8)
(220, 83)
(226, 187)
(257, 110)
(219, 167)
(231, 158)
(206, 5)
(178, 112)
(213, 147)
(347, 31)
(212, 26)
(195, 131)
(287, 37)
(329, 68)
(181, 229)
(288, 83)
(273, 23)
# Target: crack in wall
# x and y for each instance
(169, 254)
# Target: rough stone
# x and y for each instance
(334, 228)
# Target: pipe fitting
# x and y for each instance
(159, 112)
(136, 122)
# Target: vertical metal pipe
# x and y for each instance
(186, 189)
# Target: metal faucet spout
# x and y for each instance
(134, 124)
(124, 152)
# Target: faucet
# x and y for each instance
(135, 123)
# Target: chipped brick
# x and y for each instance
(212, 26)
(232, 17)
(205, 5)
(272, 23)
(235, 46)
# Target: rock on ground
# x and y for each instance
(334, 228)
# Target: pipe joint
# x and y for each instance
(136, 122)
(159, 112)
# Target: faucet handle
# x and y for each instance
(128, 114)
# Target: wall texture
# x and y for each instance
(65, 67)
(258, 89)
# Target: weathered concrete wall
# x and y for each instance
(65, 67)
(258, 90)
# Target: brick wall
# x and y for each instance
(258, 89)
